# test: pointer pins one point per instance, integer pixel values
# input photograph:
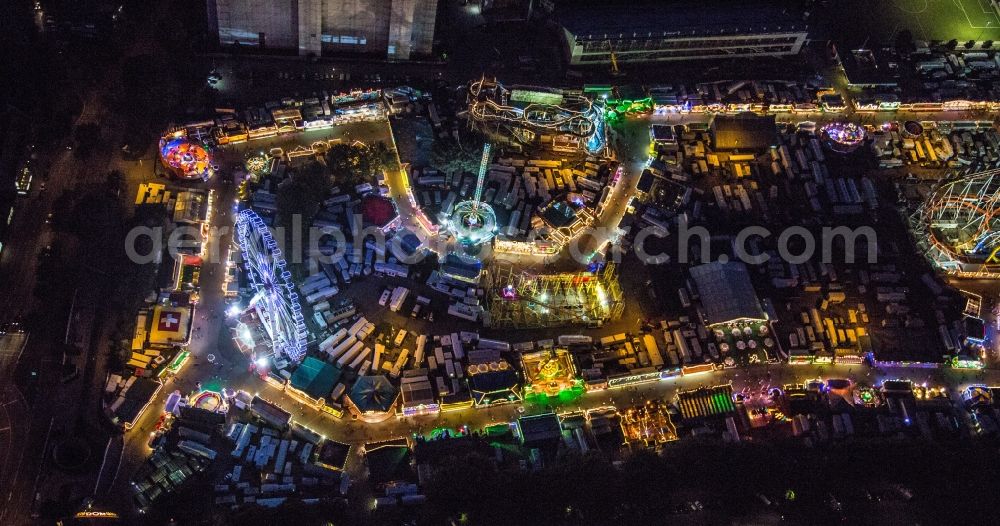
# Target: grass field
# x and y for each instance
(859, 23)
(947, 19)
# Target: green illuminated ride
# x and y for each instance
(551, 378)
(474, 222)
(615, 109)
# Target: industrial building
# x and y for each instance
(396, 29)
(645, 31)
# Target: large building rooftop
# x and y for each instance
(870, 68)
(388, 461)
(493, 382)
(587, 18)
(744, 132)
(726, 292)
(373, 394)
(315, 377)
(539, 428)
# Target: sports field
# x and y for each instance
(870, 22)
(947, 19)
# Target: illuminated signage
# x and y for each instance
(696, 369)
(642, 378)
(335, 411)
(422, 409)
(959, 363)
(633, 379)
(91, 514)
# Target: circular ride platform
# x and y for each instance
(473, 223)
(208, 400)
(186, 159)
(842, 136)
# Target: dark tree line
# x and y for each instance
(947, 482)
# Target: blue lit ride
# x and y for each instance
(274, 299)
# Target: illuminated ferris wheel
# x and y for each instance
(275, 299)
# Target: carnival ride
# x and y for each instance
(274, 299)
(519, 299)
(550, 376)
(184, 158)
(257, 164)
(474, 222)
(866, 397)
(958, 224)
(379, 211)
(209, 401)
(617, 108)
(648, 424)
(913, 129)
(525, 112)
(842, 136)
(977, 396)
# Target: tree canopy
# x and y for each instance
(450, 157)
(355, 164)
(302, 194)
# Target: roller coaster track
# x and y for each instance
(573, 117)
(970, 208)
